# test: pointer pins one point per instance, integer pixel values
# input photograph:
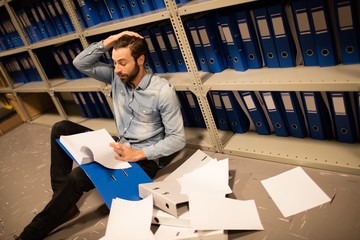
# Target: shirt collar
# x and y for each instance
(145, 81)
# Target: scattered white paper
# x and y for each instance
(213, 212)
(212, 177)
(294, 191)
(130, 220)
(168, 232)
(93, 146)
(205, 187)
(197, 160)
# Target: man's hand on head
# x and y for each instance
(110, 41)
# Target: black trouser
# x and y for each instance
(68, 184)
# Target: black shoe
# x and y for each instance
(74, 212)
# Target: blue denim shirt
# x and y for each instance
(147, 117)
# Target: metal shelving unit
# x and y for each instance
(299, 78)
(309, 152)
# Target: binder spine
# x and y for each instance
(275, 113)
(318, 116)
(284, 42)
(256, 112)
(323, 34)
(266, 38)
(211, 44)
(294, 115)
(342, 114)
(348, 30)
(249, 39)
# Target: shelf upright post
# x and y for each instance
(57, 103)
(21, 105)
(70, 8)
(193, 71)
(6, 76)
(13, 93)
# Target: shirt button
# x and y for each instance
(125, 129)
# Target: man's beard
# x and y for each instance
(129, 78)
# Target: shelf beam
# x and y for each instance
(197, 6)
(127, 22)
(182, 81)
(80, 85)
(300, 78)
(32, 87)
(12, 51)
(54, 41)
(324, 154)
(199, 138)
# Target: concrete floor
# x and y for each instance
(25, 190)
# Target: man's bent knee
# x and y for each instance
(60, 127)
(80, 180)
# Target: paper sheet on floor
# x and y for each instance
(211, 212)
(130, 220)
(213, 177)
(209, 208)
(294, 191)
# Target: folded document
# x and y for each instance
(93, 146)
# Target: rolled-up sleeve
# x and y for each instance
(88, 63)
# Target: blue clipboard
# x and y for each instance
(114, 183)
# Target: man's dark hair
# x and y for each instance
(138, 46)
